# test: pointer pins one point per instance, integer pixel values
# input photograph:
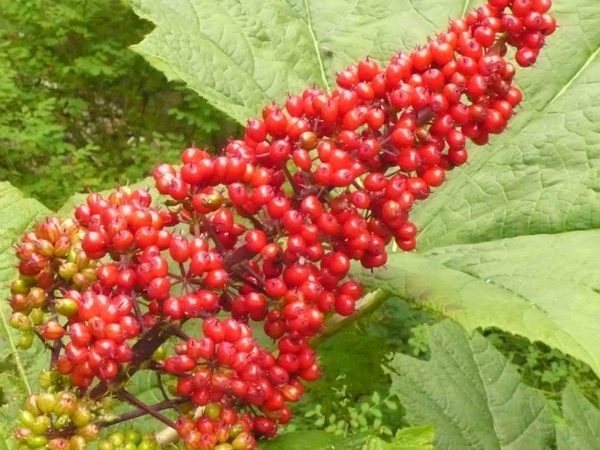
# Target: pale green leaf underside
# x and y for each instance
(581, 429)
(470, 393)
(543, 287)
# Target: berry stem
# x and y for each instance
(148, 409)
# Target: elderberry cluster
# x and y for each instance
(265, 231)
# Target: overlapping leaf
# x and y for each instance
(544, 287)
(581, 429)
(470, 393)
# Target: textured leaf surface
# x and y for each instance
(543, 287)
(470, 393)
(19, 368)
(582, 428)
(543, 174)
(240, 55)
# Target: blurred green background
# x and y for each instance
(78, 109)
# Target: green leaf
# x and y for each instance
(241, 55)
(543, 287)
(582, 428)
(543, 174)
(414, 438)
(470, 393)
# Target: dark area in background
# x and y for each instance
(79, 110)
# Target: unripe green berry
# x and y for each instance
(37, 316)
(133, 436)
(106, 445)
(160, 353)
(20, 321)
(212, 411)
(19, 286)
(89, 432)
(48, 378)
(77, 443)
(148, 443)
(224, 446)
(25, 341)
(37, 441)
(37, 297)
(26, 419)
(31, 405)
(41, 424)
(66, 404)
(46, 402)
(67, 307)
(117, 439)
(62, 422)
(67, 270)
(81, 416)
(235, 430)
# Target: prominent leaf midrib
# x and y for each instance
(575, 76)
(465, 7)
(316, 45)
(15, 352)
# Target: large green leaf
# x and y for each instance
(543, 287)
(240, 55)
(470, 393)
(581, 429)
(543, 174)
(19, 369)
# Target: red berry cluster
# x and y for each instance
(267, 230)
(98, 335)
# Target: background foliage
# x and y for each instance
(78, 109)
(508, 247)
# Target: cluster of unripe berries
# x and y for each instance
(266, 231)
(129, 440)
(50, 257)
(46, 415)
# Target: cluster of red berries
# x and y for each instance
(50, 257)
(228, 366)
(98, 333)
(267, 230)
